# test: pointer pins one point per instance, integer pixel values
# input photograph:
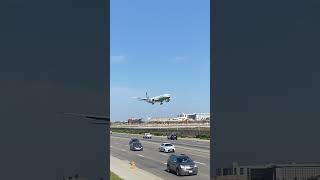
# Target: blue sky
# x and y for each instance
(159, 47)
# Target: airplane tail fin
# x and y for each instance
(147, 95)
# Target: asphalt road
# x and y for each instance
(153, 161)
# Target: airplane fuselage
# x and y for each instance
(156, 99)
(159, 99)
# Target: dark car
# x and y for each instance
(172, 136)
(136, 146)
(181, 165)
(133, 140)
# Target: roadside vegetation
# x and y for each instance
(206, 137)
(113, 176)
(163, 133)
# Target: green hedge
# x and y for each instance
(203, 136)
(161, 133)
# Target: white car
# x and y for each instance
(147, 136)
(167, 147)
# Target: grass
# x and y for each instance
(113, 176)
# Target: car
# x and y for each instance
(147, 136)
(172, 136)
(136, 146)
(167, 147)
(181, 165)
(133, 140)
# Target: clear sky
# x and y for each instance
(159, 47)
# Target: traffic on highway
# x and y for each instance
(163, 157)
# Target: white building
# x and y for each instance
(202, 116)
(187, 116)
(195, 116)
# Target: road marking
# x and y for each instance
(127, 145)
(111, 146)
(189, 150)
(165, 163)
(123, 150)
(199, 163)
(177, 146)
(116, 143)
(140, 155)
(163, 154)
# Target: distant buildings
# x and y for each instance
(202, 116)
(270, 172)
(132, 121)
(195, 116)
(187, 116)
(183, 118)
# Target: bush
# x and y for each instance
(158, 133)
(203, 136)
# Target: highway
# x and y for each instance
(153, 161)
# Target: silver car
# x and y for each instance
(181, 165)
(167, 147)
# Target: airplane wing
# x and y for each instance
(141, 99)
(95, 117)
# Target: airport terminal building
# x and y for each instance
(195, 116)
(270, 172)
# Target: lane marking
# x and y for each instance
(163, 154)
(140, 155)
(111, 146)
(127, 145)
(123, 150)
(176, 145)
(165, 164)
(199, 163)
(186, 140)
(189, 150)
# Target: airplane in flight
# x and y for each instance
(157, 99)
